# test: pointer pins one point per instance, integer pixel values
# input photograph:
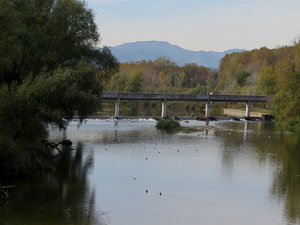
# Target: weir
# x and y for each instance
(164, 98)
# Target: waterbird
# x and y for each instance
(134, 178)
(158, 152)
(146, 158)
(177, 150)
(146, 191)
(160, 193)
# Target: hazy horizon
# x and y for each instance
(210, 25)
(177, 46)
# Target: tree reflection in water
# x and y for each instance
(286, 181)
(281, 148)
(68, 198)
(65, 197)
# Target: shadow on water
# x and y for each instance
(65, 197)
(282, 149)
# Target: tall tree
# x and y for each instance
(50, 70)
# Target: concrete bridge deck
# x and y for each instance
(186, 97)
(248, 99)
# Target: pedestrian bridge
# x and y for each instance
(164, 98)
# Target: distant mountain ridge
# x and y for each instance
(151, 50)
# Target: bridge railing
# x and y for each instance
(248, 99)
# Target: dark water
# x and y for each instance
(243, 173)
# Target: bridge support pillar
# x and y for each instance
(207, 109)
(164, 108)
(117, 108)
(248, 109)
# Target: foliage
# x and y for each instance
(134, 83)
(22, 134)
(242, 77)
(49, 99)
(118, 82)
(161, 75)
(50, 70)
(266, 72)
(195, 75)
(288, 95)
(168, 125)
(267, 81)
(63, 92)
(200, 89)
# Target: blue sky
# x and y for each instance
(215, 25)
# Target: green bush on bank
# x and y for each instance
(168, 125)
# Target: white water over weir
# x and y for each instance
(248, 99)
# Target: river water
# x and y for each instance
(128, 173)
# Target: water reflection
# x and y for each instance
(245, 130)
(286, 179)
(281, 149)
(62, 198)
(243, 173)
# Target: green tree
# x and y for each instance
(179, 79)
(242, 77)
(50, 70)
(200, 89)
(134, 83)
(267, 81)
(195, 75)
(48, 34)
(212, 81)
(118, 82)
(287, 98)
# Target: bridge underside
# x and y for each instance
(248, 99)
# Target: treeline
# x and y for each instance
(162, 76)
(265, 72)
(258, 72)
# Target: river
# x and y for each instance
(128, 173)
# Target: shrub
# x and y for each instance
(168, 125)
